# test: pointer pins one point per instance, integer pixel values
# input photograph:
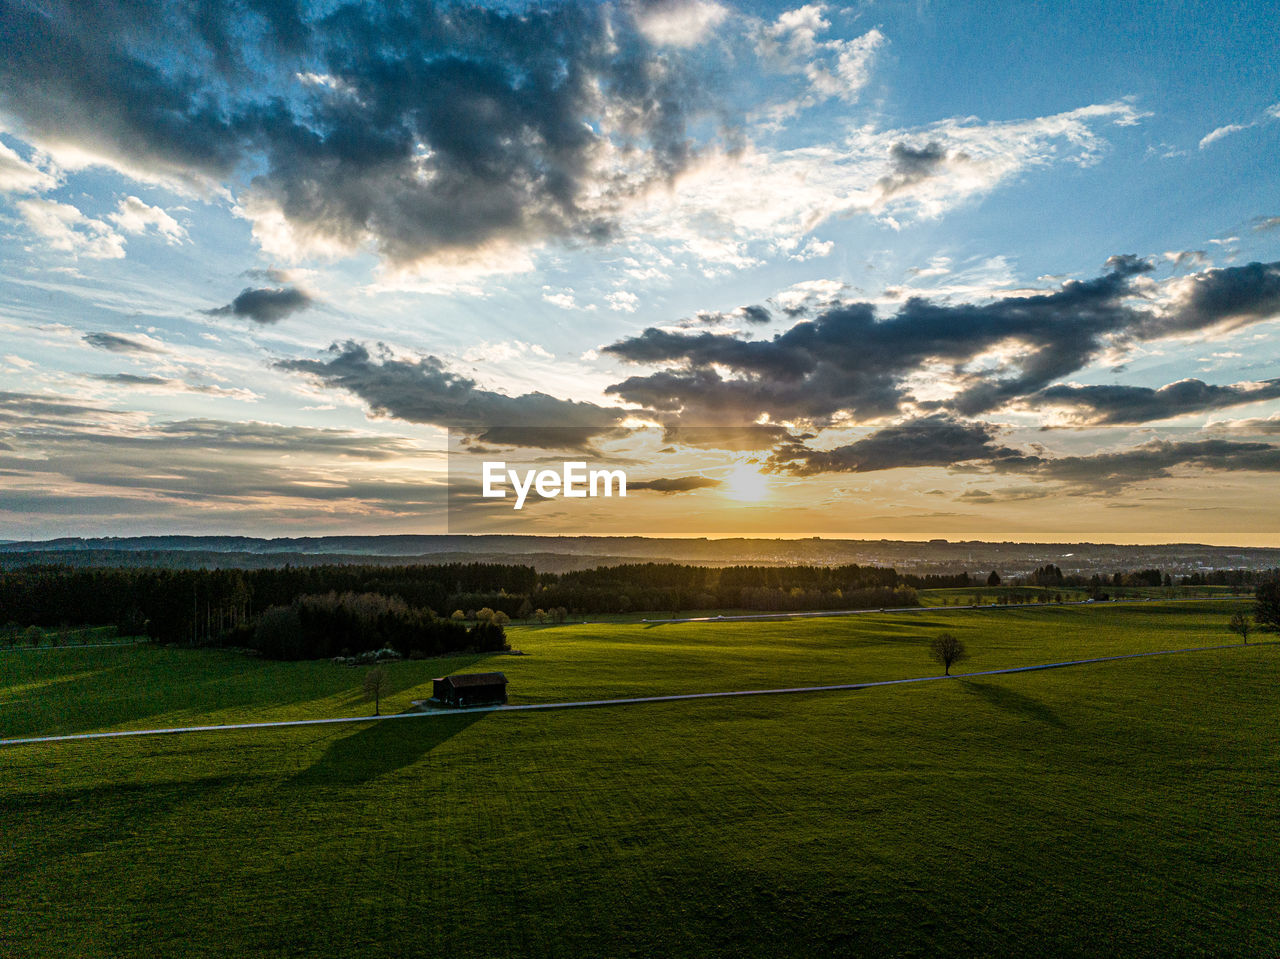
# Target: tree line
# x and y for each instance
(311, 611)
(213, 606)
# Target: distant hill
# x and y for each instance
(564, 553)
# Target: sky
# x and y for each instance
(916, 270)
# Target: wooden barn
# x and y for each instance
(470, 689)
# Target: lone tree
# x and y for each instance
(947, 650)
(376, 685)
(1267, 604)
(1241, 625)
(993, 579)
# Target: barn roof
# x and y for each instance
(476, 679)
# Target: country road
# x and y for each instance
(629, 701)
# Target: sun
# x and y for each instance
(746, 484)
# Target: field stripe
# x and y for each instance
(934, 609)
(47, 647)
(628, 701)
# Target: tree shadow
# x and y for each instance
(382, 747)
(1011, 701)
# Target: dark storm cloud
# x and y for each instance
(267, 305)
(848, 361)
(114, 343)
(676, 484)
(1115, 471)
(424, 391)
(412, 127)
(1139, 404)
(933, 441)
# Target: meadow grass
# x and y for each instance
(70, 690)
(1122, 808)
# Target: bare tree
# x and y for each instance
(1241, 625)
(376, 685)
(947, 651)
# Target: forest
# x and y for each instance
(301, 612)
(311, 611)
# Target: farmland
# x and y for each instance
(1118, 807)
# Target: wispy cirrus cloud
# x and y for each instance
(116, 343)
(1268, 115)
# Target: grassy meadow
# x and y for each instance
(71, 690)
(1121, 808)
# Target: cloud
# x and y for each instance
(849, 362)
(266, 305)
(1109, 472)
(736, 438)
(909, 165)
(64, 228)
(678, 23)
(1270, 424)
(423, 390)
(19, 176)
(623, 301)
(730, 209)
(161, 384)
(1187, 257)
(69, 465)
(115, 343)
(134, 216)
(1266, 116)
(833, 68)
(754, 314)
(447, 137)
(931, 441)
(409, 130)
(26, 409)
(678, 484)
(1226, 299)
(1220, 132)
(1104, 405)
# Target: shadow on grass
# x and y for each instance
(382, 747)
(52, 823)
(1011, 701)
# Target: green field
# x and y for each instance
(54, 691)
(1116, 808)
